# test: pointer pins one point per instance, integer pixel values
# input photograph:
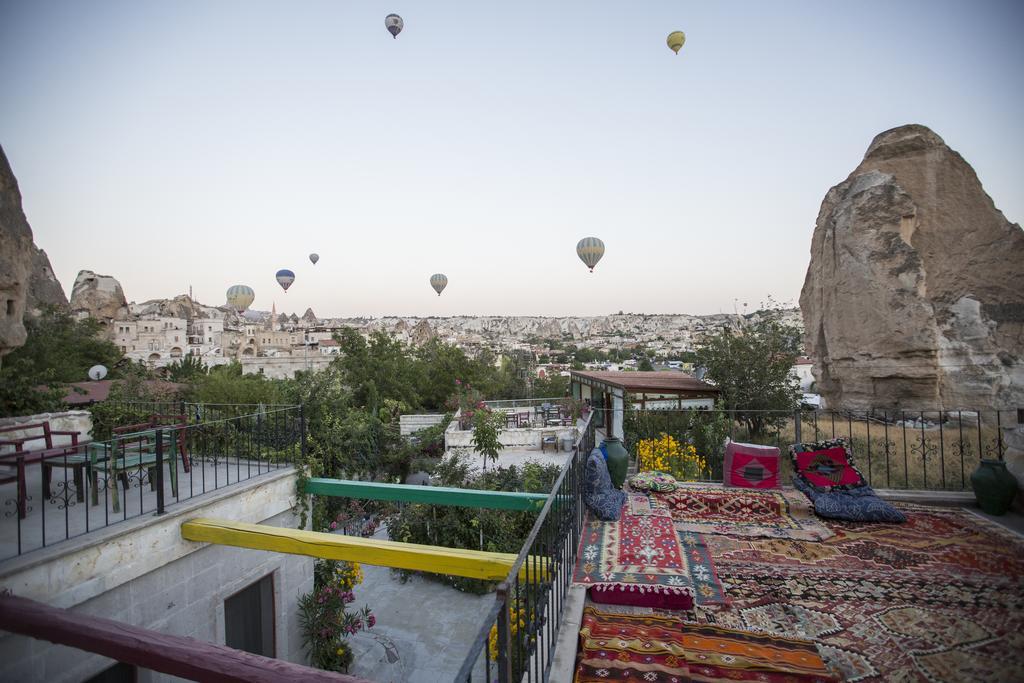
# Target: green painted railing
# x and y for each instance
(434, 495)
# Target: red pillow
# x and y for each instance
(751, 466)
(827, 468)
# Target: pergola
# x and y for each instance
(609, 392)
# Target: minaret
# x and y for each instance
(273, 316)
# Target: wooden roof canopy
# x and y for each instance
(658, 382)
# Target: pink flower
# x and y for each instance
(334, 525)
(371, 620)
(458, 382)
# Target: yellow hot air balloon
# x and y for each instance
(676, 40)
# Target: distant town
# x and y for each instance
(277, 344)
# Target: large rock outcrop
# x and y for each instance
(43, 287)
(16, 254)
(98, 296)
(914, 296)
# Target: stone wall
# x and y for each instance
(143, 573)
(410, 424)
(79, 421)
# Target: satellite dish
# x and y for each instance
(97, 372)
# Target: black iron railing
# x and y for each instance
(925, 450)
(516, 639)
(153, 456)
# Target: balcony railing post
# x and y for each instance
(797, 431)
(159, 471)
(504, 663)
(302, 431)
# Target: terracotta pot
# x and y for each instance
(994, 486)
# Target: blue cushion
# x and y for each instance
(859, 504)
(603, 499)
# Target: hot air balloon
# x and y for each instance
(590, 250)
(675, 40)
(240, 297)
(285, 278)
(438, 281)
(314, 258)
(394, 24)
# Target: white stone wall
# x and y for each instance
(143, 573)
(67, 421)
(410, 424)
(283, 367)
(509, 438)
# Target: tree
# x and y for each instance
(58, 349)
(752, 367)
(186, 369)
(645, 365)
(442, 364)
(551, 385)
(377, 369)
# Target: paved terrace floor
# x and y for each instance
(63, 516)
(424, 628)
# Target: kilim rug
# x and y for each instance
(651, 649)
(644, 553)
(939, 598)
(712, 509)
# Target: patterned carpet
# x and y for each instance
(742, 512)
(939, 598)
(653, 649)
(645, 553)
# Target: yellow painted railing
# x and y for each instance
(473, 564)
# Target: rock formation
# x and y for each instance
(309, 316)
(98, 296)
(43, 287)
(422, 333)
(914, 296)
(16, 252)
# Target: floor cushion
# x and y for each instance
(603, 499)
(751, 466)
(635, 596)
(653, 481)
(826, 465)
(859, 504)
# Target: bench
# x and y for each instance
(19, 455)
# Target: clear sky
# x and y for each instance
(211, 142)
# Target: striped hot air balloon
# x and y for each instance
(394, 24)
(438, 281)
(240, 297)
(590, 250)
(285, 278)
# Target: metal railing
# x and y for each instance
(149, 462)
(516, 639)
(896, 449)
(524, 402)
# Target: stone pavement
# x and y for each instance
(423, 628)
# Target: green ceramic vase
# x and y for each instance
(994, 486)
(618, 460)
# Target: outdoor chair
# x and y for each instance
(126, 453)
(21, 455)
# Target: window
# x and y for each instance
(249, 618)
(119, 673)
